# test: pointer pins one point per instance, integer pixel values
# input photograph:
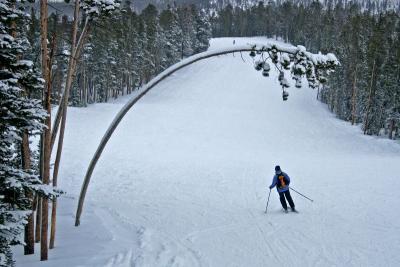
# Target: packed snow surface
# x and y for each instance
(184, 180)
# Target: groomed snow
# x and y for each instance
(183, 181)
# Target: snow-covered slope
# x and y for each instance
(183, 182)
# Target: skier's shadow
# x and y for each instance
(276, 211)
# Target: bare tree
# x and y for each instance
(38, 219)
(47, 131)
(103, 7)
(54, 201)
(76, 48)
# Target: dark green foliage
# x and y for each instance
(19, 114)
(366, 88)
(126, 50)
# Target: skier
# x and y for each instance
(281, 180)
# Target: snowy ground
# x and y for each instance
(183, 182)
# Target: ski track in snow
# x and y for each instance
(184, 180)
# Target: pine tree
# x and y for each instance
(203, 32)
(151, 28)
(18, 114)
(137, 50)
(173, 36)
(188, 31)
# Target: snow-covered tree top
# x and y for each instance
(285, 57)
(294, 50)
(95, 8)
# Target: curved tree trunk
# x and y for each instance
(165, 74)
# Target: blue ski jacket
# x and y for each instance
(276, 182)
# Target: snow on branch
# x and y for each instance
(96, 8)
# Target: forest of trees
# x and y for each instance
(55, 60)
(124, 51)
(376, 6)
(105, 50)
(366, 88)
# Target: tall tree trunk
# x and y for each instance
(53, 220)
(48, 141)
(107, 88)
(29, 247)
(38, 201)
(38, 219)
(391, 129)
(94, 92)
(353, 98)
(128, 84)
(366, 121)
(76, 48)
(47, 107)
(61, 114)
(57, 85)
(85, 90)
(75, 53)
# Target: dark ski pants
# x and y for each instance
(288, 197)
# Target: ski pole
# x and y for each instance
(266, 208)
(301, 194)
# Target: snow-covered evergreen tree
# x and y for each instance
(150, 21)
(173, 35)
(188, 31)
(18, 114)
(203, 32)
(141, 45)
(96, 8)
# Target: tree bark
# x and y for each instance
(29, 247)
(38, 219)
(47, 107)
(48, 142)
(53, 221)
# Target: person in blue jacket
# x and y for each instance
(281, 180)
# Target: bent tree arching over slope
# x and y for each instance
(285, 58)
